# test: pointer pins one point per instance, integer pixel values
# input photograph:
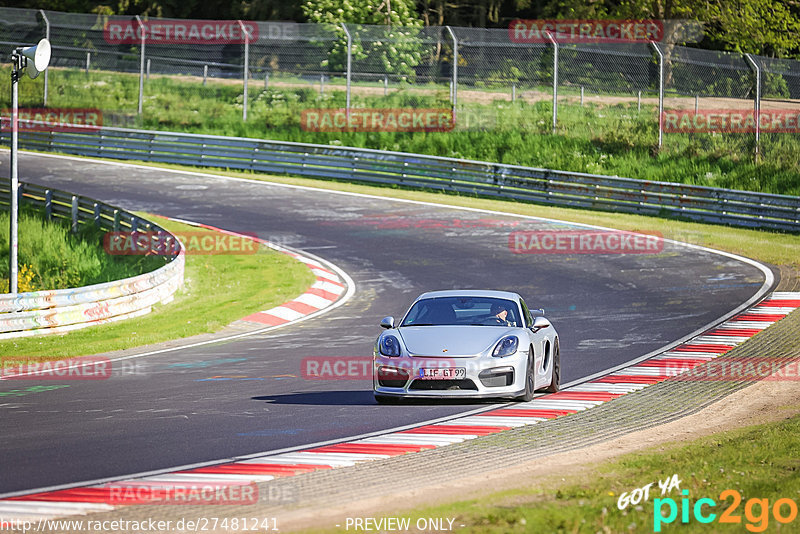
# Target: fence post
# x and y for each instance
(141, 64)
(266, 80)
(555, 80)
(246, 67)
(46, 71)
(88, 62)
(349, 67)
(455, 70)
(147, 70)
(385, 84)
(757, 103)
(660, 92)
(205, 74)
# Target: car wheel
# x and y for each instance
(530, 386)
(555, 381)
(386, 399)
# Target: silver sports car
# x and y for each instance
(466, 344)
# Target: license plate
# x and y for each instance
(442, 373)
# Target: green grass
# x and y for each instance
(51, 257)
(759, 462)
(219, 289)
(603, 139)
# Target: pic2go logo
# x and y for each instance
(756, 511)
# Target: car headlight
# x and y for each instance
(389, 346)
(506, 347)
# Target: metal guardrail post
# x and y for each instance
(757, 103)
(74, 214)
(349, 66)
(141, 65)
(455, 70)
(555, 80)
(48, 204)
(660, 92)
(46, 71)
(246, 73)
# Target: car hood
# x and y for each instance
(451, 341)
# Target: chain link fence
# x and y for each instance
(277, 70)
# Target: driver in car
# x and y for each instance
(500, 314)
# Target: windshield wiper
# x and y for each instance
(419, 324)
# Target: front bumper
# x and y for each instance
(485, 376)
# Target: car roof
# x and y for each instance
(471, 293)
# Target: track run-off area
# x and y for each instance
(248, 395)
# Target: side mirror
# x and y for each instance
(387, 322)
(540, 323)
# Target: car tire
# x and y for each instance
(530, 381)
(386, 399)
(555, 381)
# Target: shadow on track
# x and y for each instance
(361, 398)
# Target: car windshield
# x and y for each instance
(475, 311)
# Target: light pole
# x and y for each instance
(39, 56)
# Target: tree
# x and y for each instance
(395, 48)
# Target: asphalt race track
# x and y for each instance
(228, 399)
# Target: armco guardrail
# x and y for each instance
(43, 312)
(707, 204)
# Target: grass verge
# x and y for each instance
(610, 136)
(219, 289)
(757, 463)
(52, 257)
